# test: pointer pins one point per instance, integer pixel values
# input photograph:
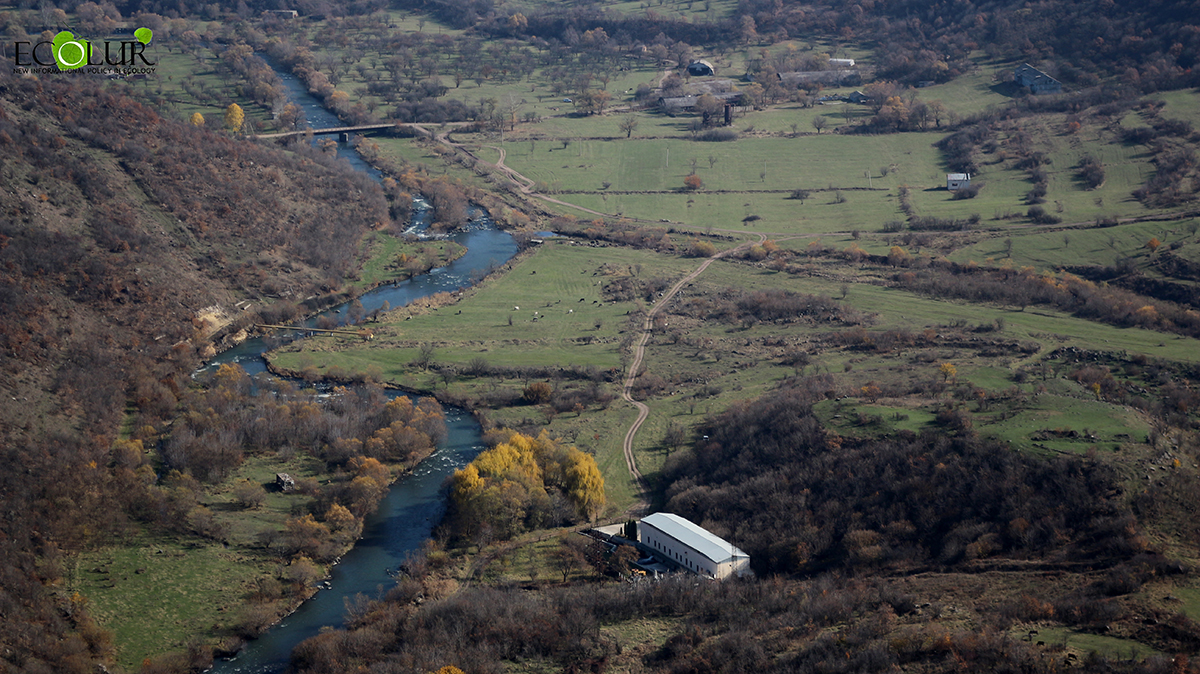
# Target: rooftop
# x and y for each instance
(701, 540)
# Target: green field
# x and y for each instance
(728, 363)
(1083, 642)
(175, 67)
(386, 262)
(158, 594)
(1101, 246)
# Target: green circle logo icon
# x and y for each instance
(70, 53)
(144, 35)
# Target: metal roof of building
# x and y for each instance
(698, 538)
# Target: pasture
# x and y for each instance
(706, 366)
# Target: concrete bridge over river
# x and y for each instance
(331, 130)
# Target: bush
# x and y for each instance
(1039, 215)
(717, 135)
(1091, 171)
(701, 249)
(969, 192)
(538, 392)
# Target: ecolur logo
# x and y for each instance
(72, 53)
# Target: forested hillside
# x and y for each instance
(1150, 45)
(118, 228)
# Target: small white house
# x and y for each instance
(958, 181)
(689, 546)
(841, 63)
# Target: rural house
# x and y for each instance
(958, 181)
(689, 546)
(1036, 81)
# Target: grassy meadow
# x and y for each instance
(717, 364)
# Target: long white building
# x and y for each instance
(690, 546)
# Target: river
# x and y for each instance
(416, 501)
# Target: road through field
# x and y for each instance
(525, 185)
(639, 353)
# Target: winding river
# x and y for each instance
(415, 502)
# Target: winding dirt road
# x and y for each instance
(639, 353)
(526, 185)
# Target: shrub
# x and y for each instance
(969, 192)
(699, 248)
(1039, 215)
(717, 135)
(538, 392)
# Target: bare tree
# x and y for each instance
(675, 436)
(628, 124)
(424, 356)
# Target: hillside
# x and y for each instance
(121, 232)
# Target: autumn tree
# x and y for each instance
(693, 182)
(948, 371)
(897, 256)
(593, 101)
(305, 536)
(819, 123)
(517, 484)
(234, 118)
(249, 494)
(538, 392)
(698, 248)
(197, 119)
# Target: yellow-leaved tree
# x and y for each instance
(234, 117)
(525, 483)
(197, 119)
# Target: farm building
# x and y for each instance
(839, 78)
(958, 181)
(691, 547)
(676, 104)
(858, 97)
(701, 68)
(1037, 81)
(842, 63)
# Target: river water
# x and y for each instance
(416, 502)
